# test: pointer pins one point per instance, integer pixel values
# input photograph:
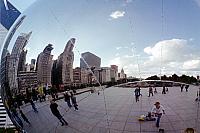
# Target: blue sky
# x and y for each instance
(122, 32)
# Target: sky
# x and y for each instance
(137, 35)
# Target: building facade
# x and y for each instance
(22, 61)
(65, 63)
(77, 76)
(15, 59)
(114, 73)
(27, 80)
(44, 65)
(105, 74)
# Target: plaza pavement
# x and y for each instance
(121, 115)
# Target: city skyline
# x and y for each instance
(132, 33)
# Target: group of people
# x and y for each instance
(151, 91)
(186, 87)
(70, 99)
(158, 109)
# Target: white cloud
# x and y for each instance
(191, 65)
(117, 14)
(117, 48)
(169, 50)
(178, 56)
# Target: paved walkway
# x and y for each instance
(122, 113)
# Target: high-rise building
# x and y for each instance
(32, 65)
(5, 68)
(89, 60)
(33, 61)
(10, 35)
(84, 76)
(65, 63)
(22, 61)
(105, 74)
(114, 72)
(77, 76)
(27, 79)
(17, 50)
(44, 65)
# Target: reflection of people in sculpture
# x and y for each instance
(55, 112)
(73, 98)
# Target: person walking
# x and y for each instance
(24, 117)
(73, 98)
(56, 113)
(164, 90)
(186, 88)
(67, 99)
(150, 91)
(33, 106)
(182, 86)
(158, 110)
(137, 94)
(155, 90)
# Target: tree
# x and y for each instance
(155, 77)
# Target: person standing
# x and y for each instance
(164, 90)
(73, 98)
(137, 94)
(158, 110)
(186, 88)
(182, 86)
(67, 99)
(24, 117)
(150, 91)
(155, 90)
(56, 113)
(33, 106)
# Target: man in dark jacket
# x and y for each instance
(55, 112)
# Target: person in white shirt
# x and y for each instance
(158, 110)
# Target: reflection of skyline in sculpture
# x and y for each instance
(65, 64)
(14, 61)
(11, 34)
(22, 61)
(44, 65)
(91, 59)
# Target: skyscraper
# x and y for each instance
(22, 61)
(17, 50)
(65, 63)
(114, 72)
(90, 60)
(44, 65)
